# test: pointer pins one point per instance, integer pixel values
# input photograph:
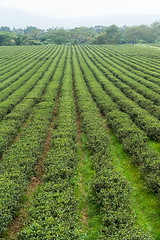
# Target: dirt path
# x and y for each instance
(83, 193)
(17, 224)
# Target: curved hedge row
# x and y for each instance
(18, 95)
(134, 140)
(140, 71)
(110, 190)
(146, 61)
(147, 88)
(12, 55)
(148, 123)
(9, 87)
(12, 122)
(140, 61)
(29, 63)
(127, 90)
(10, 71)
(53, 210)
(19, 161)
(53, 213)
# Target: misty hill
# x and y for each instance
(20, 19)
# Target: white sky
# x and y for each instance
(84, 8)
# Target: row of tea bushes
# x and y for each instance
(134, 140)
(53, 212)
(18, 95)
(28, 71)
(10, 56)
(8, 71)
(29, 64)
(144, 73)
(129, 92)
(19, 162)
(141, 117)
(147, 88)
(12, 122)
(110, 191)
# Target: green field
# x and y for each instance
(80, 142)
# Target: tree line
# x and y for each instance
(81, 35)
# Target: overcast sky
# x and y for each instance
(84, 8)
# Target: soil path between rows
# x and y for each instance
(17, 224)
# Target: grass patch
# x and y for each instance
(144, 203)
(84, 175)
(155, 146)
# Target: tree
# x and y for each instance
(137, 34)
(5, 29)
(32, 32)
(155, 31)
(113, 34)
(18, 40)
(58, 36)
(81, 35)
(6, 39)
(101, 38)
(99, 28)
(2, 39)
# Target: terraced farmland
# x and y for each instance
(79, 142)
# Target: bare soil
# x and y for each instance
(84, 212)
(17, 224)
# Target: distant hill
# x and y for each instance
(16, 18)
